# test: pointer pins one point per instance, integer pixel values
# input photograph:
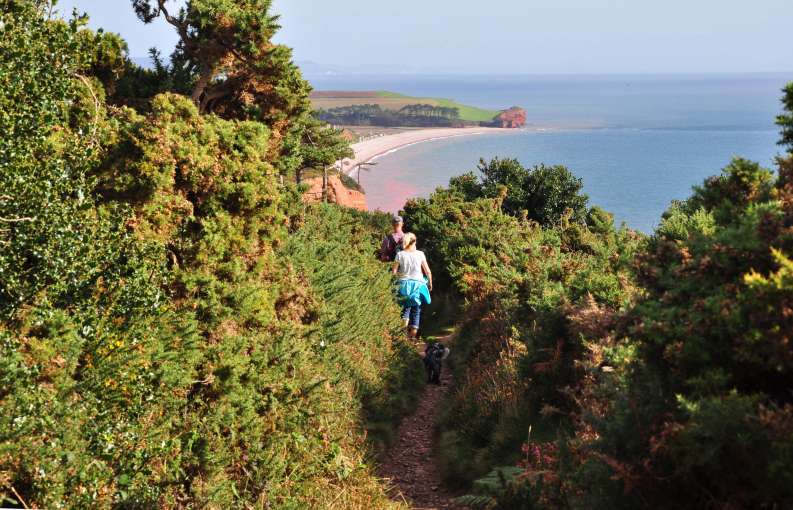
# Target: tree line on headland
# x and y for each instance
(178, 329)
(413, 115)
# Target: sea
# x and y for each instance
(638, 142)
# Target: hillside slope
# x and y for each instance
(177, 328)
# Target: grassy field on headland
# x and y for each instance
(394, 101)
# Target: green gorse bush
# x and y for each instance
(177, 328)
(618, 371)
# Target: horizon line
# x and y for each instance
(361, 70)
(555, 73)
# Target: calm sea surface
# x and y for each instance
(638, 142)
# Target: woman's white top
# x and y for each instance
(410, 265)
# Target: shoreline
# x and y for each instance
(379, 146)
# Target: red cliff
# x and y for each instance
(515, 117)
(338, 193)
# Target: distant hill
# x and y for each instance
(392, 101)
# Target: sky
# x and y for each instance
(509, 36)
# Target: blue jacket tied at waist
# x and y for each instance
(413, 293)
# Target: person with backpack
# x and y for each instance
(392, 242)
(434, 355)
(414, 280)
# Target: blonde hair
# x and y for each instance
(408, 240)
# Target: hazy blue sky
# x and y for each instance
(521, 36)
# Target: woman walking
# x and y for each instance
(415, 282)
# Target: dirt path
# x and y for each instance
(410, 465)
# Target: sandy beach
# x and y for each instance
(377, 146)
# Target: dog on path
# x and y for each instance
(434, 354)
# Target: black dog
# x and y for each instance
(434, 355)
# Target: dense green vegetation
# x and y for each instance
(601, 369)
(177, 329)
